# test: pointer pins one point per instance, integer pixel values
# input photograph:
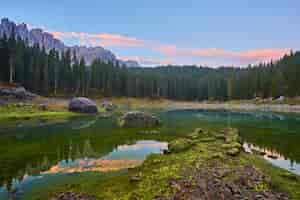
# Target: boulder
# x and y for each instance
(43, 107)
(280, 99)
(2, 102)
(17, 92)
(108, 106)
(83, 105)
(139, 119)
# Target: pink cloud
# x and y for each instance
(263, 54)
(251, 56)
(104, 39)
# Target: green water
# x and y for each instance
(28, 151)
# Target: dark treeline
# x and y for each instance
(51, 73)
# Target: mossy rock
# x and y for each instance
(138, 119)
(232, 145)
(193, 136)
(220, 136)
(135, 196)
(233, 151)
(218, 156)
(179, 145)
(136, 178)
(236, 138)
(196, 133)
(198, 130)
(207, 139)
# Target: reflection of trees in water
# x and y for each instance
(34, 168)
(268, 153)
(275, 132)
(88, 149)
(284, 145)
(76, 152)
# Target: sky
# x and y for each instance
(201, 32)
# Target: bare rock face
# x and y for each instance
(83, 105)
(139, 119)
(48, 41)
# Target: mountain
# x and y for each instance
(46, 40)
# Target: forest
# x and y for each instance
(53, 73)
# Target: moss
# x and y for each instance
(207, 139)
(218, 155)
(261, 187)
(232, 145)
(199, 130)
(179, 145)
(233, 151)
(193, 136)
(30, 111)
(220, 136)
(289, 175)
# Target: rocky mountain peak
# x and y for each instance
(46, 40)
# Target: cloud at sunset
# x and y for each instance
(172, 53)
(250, 56)
(103, 39)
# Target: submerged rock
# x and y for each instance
(73, 196)
(83, 105)
(139, 119)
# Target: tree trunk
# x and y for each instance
(11, 72)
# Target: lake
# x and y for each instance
(35, 157)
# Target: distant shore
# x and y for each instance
(282, 108)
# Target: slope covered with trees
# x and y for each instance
(51, 73)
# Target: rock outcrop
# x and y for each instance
(48, 41)
(139, 119)
(83, 105)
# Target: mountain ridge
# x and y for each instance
(48, 41)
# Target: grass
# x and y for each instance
(14, 114)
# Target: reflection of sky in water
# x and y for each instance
(275, 158)
(137, 151)
(126, 155)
